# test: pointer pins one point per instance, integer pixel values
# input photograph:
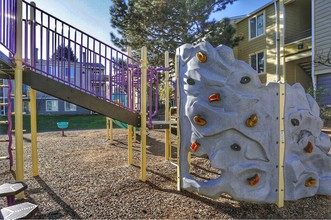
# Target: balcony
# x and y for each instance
(299, 36)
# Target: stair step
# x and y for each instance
(11, 189)
(4, 140)
(19, 211)
(4, 158)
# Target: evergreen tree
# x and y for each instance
(63, 53)
(162, 25)
(224, 33)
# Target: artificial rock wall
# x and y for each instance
(227, 115)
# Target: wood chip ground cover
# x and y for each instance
(83, 175)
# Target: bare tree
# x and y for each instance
(323, 59)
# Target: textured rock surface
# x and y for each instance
(232, 118)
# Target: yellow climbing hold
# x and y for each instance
(199, 121)
(310, 182)
(201, 57)
(251, 121)
(253, 180)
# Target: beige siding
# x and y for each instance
(322, 32)
(265, 43)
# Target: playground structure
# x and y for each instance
(39, 47)
(26, 28)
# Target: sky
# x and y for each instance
(92, 16)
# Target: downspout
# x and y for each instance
(313, 46)
(276, 40)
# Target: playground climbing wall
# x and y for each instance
(227, 115)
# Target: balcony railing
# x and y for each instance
(299, 36)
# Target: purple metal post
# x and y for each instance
(10, 124)
(10, 200)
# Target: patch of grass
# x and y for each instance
(48, 122)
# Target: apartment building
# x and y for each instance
(285, 39)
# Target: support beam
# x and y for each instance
(167, 140)
(143, 112)
(179, 182)
(129, 104)
(33, 98)
(109, 125)
(18, 100)
(281, 186)
(33, 119)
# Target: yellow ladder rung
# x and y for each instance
(14, 130)
(173, 163)
(13, 95)
(3, 104)
(13, 113)
(4, 86)
(4, 140)
(3, 122)
(4, 158)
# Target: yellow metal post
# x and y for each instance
(18, 99)
(281, 189)
(143, 112)
(33, 102)
(109, 125)
(178, 124)
(130, 155)
(167, 140)
(33, 118)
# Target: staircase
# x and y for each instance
(306, 67)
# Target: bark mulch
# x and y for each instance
(83, 175)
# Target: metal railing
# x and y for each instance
(299, 36)
(60, 51)
(56, 49)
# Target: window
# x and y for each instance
(52, 105)
(256, 26)
(257, 61)
(68, 107)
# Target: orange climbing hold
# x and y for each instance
(214, 97)
(201, 57)
(199, 121)
(194, 146)
(309, 148)
(251, 121)
(253, 180)
(310, 182)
